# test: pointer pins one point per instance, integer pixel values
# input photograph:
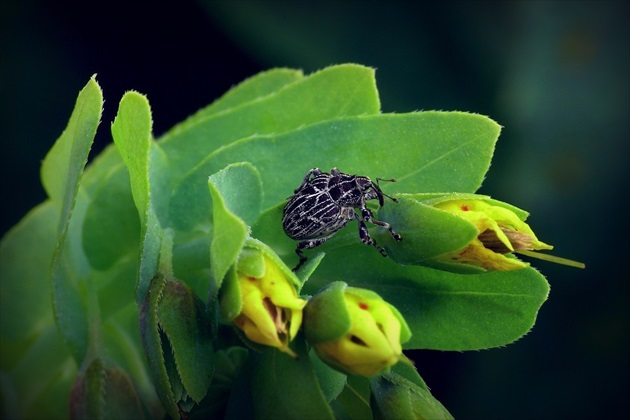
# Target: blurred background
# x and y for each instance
(554, 74)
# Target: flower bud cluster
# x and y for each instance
(353, 330)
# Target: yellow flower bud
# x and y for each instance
(270, 308)
(501, 232)
(354, 330)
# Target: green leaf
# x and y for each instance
(32, 385)
(288, 388)
(394, 397)
(330, 380)
(149, 177)
(236, 193)
(229, 363)
(107, 238)
(111, 228)
(131, 131)
(409, 372)
(152, 344)
(87, 398)
(254, 88)
(354, 400)
(121, 337)
(45, 246)
(61, 173)
(268, 229)
(336, 91)
(241, 189)
(182, 317)
(426, 151)
(100, 168)
(26, 252)
(64, 162)
(445, 311)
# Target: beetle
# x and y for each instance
(325, 202)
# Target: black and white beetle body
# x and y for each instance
(326, 202)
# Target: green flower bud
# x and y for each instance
(264, 301)
(461, 232)
(500, 231)
(354, 330)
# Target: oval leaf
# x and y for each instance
(445, 311)
(335, 91)
(426, 151)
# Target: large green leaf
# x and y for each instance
(426, 152)
(445, 311)
(254, 88)
(330, 93)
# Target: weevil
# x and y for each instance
(325, 202)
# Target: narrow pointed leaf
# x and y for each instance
(182, 317)
(64, 163)
(61, 173)
(152, 343)
(148, 175)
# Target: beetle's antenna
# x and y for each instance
(395, 200)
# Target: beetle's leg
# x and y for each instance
(368, 216)
(365, 237)
(308, 244)
(334, 171)
(395, 200)
(307, 178)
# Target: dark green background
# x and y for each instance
(554, 74)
